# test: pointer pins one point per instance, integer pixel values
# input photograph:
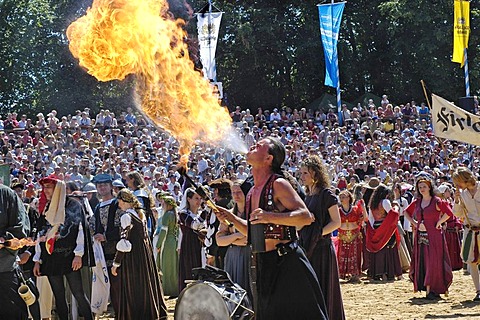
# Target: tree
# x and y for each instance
(38, 72)
(269, 54)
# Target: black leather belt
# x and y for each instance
(473, 228)
(286, 248)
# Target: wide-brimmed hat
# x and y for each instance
(17, 185)
(118, 183)
(220, 183)
(406, 186)
(373, 183)
(443, 187)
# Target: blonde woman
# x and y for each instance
(167, 261)
(141, 294)
(467, 208)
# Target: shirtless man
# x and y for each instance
(286, 285)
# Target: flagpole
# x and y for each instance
(440, 141)
(209, 35)
(467, 78)
(467, 94)
(339, 98)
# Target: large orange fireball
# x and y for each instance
(117, 38)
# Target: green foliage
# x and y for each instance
(38, 72)
(269, 54)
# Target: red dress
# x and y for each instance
(430, 264)
(454, 242)
(382, 240)
(349, 253)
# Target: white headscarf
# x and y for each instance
(184, 203)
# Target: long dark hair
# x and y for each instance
(380, 193)
(277, 150)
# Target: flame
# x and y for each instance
(184, 162)
(16, 243)
(117, 38)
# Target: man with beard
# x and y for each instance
(105, 226)
(286, 286)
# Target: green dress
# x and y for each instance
(168, 262)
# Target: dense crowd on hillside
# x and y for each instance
(385, 141)
(386, 150)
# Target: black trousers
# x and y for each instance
(12, 306)
(74, 280)
(287, 288)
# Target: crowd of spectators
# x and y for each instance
(386, 141)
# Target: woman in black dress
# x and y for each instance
(141, 293)
(316, 238)
(192, 225)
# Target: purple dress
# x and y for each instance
(430, 264)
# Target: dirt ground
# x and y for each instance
(396, 300)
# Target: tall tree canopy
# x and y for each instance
(269, 53)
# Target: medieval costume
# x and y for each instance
(106, 221)
(382, 241)
(223, 198)
(193, 235)
(430, 262)
(13, 224)
(168, 260)
(321, 253)
(350, 245)
(453, 237)
(140, 290)
(64, 228)
(286, 267)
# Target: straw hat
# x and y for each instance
(373, 183)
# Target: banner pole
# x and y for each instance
(339, 98)
(467, 94)
(425, 93)
(467, 78)
(424, 87)
(209, 22)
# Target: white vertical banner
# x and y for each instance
(208, 25)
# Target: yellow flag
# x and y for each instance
(461, 30)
